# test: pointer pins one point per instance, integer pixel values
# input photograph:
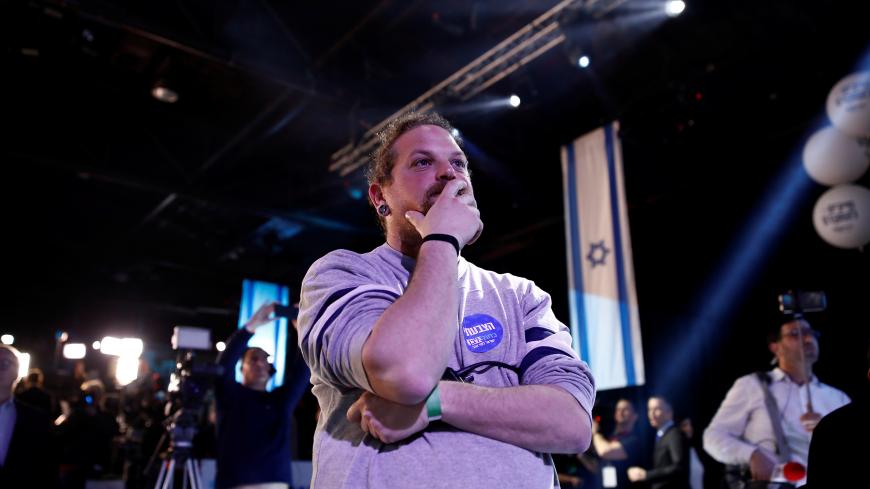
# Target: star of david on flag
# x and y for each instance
(597, 254)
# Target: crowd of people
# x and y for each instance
(430, 372)
(71, 429)
(766, 432)
(75, 430)
(76, 426)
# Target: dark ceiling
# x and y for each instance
(123, 213)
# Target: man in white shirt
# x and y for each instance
(742, 431)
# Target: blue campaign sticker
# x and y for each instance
(482, 332)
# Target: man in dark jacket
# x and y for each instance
(671, 453)
(33, 393)
(26, 455)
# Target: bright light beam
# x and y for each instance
(722, 293)
(720, 296)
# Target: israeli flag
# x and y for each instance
(605, 322)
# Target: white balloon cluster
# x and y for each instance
(837, 155)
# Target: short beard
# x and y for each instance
(409, 239)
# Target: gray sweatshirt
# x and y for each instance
(502, 318)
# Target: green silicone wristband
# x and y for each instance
(433, 405)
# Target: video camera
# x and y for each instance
(799, 302)
(189, 385)
(192, 378)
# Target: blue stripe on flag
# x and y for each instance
(620, 265)
(576, 246)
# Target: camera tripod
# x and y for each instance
(191, 473)
(181, 429)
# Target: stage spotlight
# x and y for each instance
(220, 346)
(126, 369)
(96, 345)
(110, 345)
(74, 351)
(455, 132)
(23, 364)
(583, 61)
(126, 347)
(7, 339)
(164, 94)
(674, 7)
(514, 100)
(132, 347)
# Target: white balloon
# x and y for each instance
(832, 158)
(849, 104)
(842, 216)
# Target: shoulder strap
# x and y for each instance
(783, 450)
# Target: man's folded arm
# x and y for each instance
(409, 346)
(358, 332)
(542, 418)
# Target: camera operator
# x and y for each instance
(254, 426)
(767, 418)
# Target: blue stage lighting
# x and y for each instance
(723, 292)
